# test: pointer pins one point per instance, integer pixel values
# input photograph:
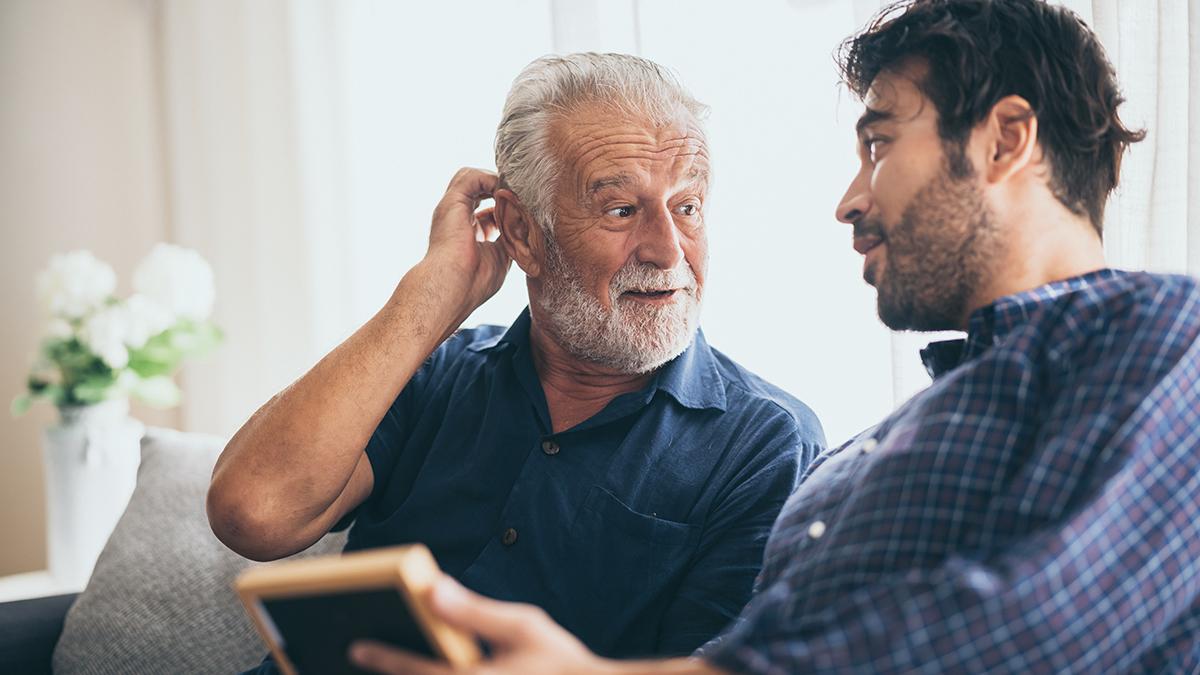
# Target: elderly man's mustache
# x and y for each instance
(646, 278)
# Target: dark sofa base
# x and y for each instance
(29, 629)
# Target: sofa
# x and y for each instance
(160, 599)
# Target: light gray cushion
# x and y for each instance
(161, 599)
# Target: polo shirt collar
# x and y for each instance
(516, 336)
(692, 378)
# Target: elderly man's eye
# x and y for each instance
(688, 209)
(621, 211)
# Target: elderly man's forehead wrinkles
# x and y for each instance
(600, 184)
(685, 156)
(633, 145)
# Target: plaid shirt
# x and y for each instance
(1037, 509)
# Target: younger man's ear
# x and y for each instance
(519, 235)
(1011, 133)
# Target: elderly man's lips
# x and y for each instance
(652, 296)
(864, 244)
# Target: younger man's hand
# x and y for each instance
(523, 639)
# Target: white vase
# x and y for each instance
(91, 460)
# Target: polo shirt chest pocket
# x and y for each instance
(624, 563)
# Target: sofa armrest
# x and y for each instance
(29, 629)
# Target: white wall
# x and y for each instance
(80, 167)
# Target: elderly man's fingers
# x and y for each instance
(487, 230)
(470, 186)
(380, 658)
(503, 624)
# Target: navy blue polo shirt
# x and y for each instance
(640, 530)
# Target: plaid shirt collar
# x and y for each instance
(990, 325)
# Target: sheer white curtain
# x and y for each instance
(308, 143)
(251, 103)
(310, 140)
(1154, 219)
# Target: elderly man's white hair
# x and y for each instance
(553, 87)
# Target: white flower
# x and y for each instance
(144, 319)
(179, 279)
(104, 334)
(114, 330)
(74, 284)
(59, 329)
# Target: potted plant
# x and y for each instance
(99, 350)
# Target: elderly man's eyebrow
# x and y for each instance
(605, 182)
(871, 117)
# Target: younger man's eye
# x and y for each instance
(872, 146)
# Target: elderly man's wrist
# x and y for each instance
(429, 297)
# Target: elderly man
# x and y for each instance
(1035, 510)
(597, 458)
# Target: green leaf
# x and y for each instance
(157, 357)
(56, 394)
(159, 392)
(152, 363)
(195, 339)
(74, 360)
(20, 405)
(94, 388)
(50, 346)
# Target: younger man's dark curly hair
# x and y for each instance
(978, 52)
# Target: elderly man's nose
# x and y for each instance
(660, 245)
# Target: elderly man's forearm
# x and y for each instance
(297, 465)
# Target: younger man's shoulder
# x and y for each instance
(1133, 325)
(1136, 303)
(1148, 286)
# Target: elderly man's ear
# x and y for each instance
(520, 236)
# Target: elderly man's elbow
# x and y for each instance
(243, 525)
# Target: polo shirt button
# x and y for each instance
(869, 445)
(509, 538)
(549, 447)
(816, 530)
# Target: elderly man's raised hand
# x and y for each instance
(463, 241)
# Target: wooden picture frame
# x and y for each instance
(409, 571)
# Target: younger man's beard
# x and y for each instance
(941, 253)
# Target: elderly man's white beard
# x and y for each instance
(632, 337)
